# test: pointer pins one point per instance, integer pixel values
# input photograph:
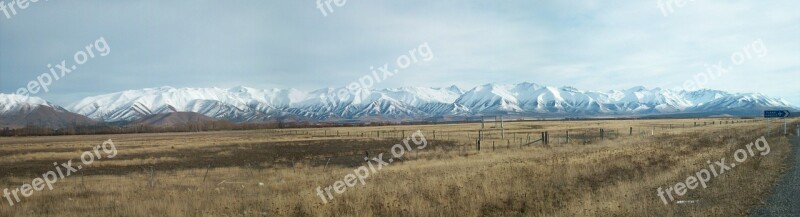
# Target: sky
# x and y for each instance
(590, 44)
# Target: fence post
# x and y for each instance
(785, 133)
(152, 182)
(542, 138)
(546, 137)
(326, 164)
(584, 137)
(207, 168)
(602, 135)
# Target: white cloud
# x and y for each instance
(590, 44)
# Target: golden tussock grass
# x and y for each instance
(615, 176)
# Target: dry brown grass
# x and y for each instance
(617, 176)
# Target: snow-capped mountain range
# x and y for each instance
(248, 104)
(243, 104)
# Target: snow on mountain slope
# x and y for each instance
(417, 96)
(249, 104)
(699, 97)
(752, 101)
(490, 98)
(235, 104)
(20, 111)
(13, 103)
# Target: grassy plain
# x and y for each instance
(277, 172)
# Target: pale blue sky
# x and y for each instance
(591, 45)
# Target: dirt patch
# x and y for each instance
(247, 155)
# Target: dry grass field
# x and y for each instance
(277, 172)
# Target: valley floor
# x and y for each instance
(587, 168)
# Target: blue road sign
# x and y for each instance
(776, 114)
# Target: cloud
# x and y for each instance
(594, 45)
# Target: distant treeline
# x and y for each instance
(33, 130)
(203, 126)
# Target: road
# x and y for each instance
(785, 199)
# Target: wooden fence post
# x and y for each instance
(326, 164)
(152, 182)
(542, 138)
(207, 168)
(798, 131)
(602, 135)
(546, 137)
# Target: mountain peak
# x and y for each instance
(7, 99)
(10, 103)
(240, 89)
(456, 89)
(637, 89)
